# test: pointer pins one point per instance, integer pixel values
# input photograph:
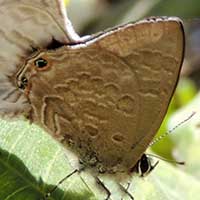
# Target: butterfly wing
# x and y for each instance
(154, 51)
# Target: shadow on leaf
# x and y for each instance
(17, 183)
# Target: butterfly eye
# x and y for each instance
(40, 63)
(24, 80)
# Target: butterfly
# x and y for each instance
(103, 96)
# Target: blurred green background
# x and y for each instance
(31, 162)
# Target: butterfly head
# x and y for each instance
(144, 166)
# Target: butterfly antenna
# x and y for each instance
(171, 130)
(196, 19)
(167, 160)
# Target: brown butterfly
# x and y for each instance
(105, 96)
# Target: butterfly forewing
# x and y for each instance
(106, 98)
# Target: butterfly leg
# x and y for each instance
(48, 194)
(99, 182)
(125, 190)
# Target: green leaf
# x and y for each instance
(31, 163)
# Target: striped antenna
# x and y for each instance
(167, 160)
(171, 130)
